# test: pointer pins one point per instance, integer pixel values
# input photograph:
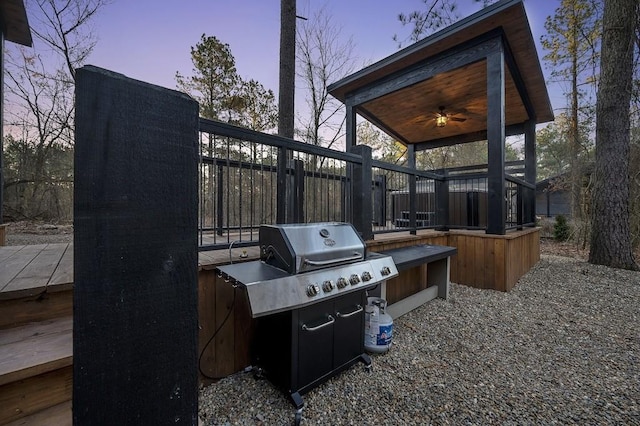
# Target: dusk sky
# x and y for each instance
(150, 40)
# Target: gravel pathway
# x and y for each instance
(562, 348)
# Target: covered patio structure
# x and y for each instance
(479, 79)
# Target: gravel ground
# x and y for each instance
(27, 233)
(562, 348)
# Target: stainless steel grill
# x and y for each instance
(303, 264)
(308, 293)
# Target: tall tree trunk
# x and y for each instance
(611, 238)
(574, 135)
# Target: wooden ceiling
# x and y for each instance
(409, 114)
(15, 24)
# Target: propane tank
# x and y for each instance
(378, 326)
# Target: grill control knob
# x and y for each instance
(313, 290)
(366, 276)
(342, 282)
(327, 286)
(385, 271)
(354, 279)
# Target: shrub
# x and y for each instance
(561, 229)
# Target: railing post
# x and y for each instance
(411, 163)
(220, 200)
(380, 200)
(295, 191)
(281, 186)
(520, 191)
(361, 194)
(442, 202)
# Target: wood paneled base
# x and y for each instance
(484, 261)
(493, 262)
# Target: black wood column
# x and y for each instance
(135, 253)
(496, 140)
(350, 142)
(361, 194)
(411, 163)
(442, 202)
(530, 171)
(295, 191)
(1, 122)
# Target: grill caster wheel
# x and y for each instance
(367, 368)
(298, 418)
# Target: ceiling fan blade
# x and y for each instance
(457, 119)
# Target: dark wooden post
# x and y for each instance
(1, 125)
(530, 170)
(135, 253)
(496, 139)
(295, 191)
(411, 163)
(442, 202)
(350, 142)
(281, 186)
(380, 200)
(220, 201)
(361, 200)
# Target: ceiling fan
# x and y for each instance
(442, 117)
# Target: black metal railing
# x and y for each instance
(249, 178)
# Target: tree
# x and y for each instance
(572, 45)
(610, 234)
(436, 15)
(222, 94)
(323, 58)
(215, 81)
(40, 89)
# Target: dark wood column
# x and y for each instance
(135, 307)
(530, 170)
(411, 163)
(1, 123)
(361, 194)
(496, 140)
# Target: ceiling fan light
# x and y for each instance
(441, 120)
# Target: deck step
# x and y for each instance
(36, 370)
(36, 348)
(58, 415)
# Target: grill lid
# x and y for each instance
(298, 248)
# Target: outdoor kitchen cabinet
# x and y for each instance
(301, 348)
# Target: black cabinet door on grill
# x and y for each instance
(348, 334)
(315, 342)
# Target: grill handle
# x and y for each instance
(318, 327)
(357, 311)
(355, 256)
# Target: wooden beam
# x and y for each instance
(518, 80)
(496, 140)
(514, 129)
(464, 54)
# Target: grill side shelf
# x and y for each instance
(250, 272)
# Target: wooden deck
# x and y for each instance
(27, 271)
(31, 270)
